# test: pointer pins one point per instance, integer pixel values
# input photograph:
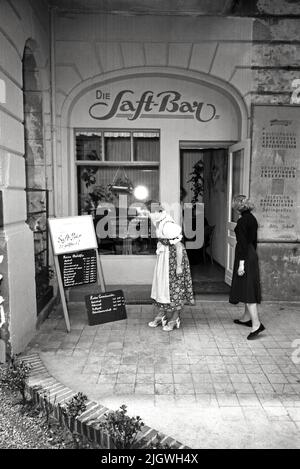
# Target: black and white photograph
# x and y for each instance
(149, 227)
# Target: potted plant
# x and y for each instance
(44, 291)
(197, 181)
(121, 183)
(101, 193)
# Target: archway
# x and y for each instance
(36, 181)
(67, 110)
(229, 125)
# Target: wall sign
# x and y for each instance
(276, 171)
(176, 105)
(105, 307)
(149, 104)
(79, 268)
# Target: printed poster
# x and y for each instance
(275, 171)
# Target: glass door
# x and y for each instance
(238, 183)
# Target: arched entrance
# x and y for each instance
(36, 182)
(143, 100)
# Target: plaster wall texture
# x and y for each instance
(20, 21)
(276, 69)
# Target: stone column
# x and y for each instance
(275, 67)
(16, 246)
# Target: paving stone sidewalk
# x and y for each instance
(203, 384)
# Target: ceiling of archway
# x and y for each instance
(169, 7)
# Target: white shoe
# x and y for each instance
(157, 321)
(172, 325)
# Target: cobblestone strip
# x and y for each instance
(41, 385)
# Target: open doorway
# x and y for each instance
(207, 263)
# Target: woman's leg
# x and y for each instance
(158, 312)
(252, 308)
(246, 316)
(174, 322)
(160, 316)
(175, 315)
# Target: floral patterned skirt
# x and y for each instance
(180, 286)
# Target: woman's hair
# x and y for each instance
(154, 206)
(242, 203)
(183, 193)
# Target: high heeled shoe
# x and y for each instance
(172, 325)
(157, 321)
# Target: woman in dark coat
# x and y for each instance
(245, 286)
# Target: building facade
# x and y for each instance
(92, 99)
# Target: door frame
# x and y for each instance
(205, 145)
(245, 188)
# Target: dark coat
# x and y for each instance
(246, 233)
(246, 288)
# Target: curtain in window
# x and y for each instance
(117, 148)
(146, 149)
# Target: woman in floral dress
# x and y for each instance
(172, 282)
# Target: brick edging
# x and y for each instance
(87, 424)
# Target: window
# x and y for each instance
(111, 164)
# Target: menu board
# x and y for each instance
(72, 234)
(78, 268)
(105, 307)
(275, 173)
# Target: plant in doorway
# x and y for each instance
(197, 181)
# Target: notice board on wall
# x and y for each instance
(105, 307)
(275, 172)
(78, 268)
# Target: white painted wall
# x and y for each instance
(225, 128)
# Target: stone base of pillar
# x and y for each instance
(20, 304)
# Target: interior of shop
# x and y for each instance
(115, 171)
(204, 179)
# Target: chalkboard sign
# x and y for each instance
(72, 234)
(78, 268)
(76, 256)
(105, 307)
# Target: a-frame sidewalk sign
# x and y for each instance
(76, 258)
